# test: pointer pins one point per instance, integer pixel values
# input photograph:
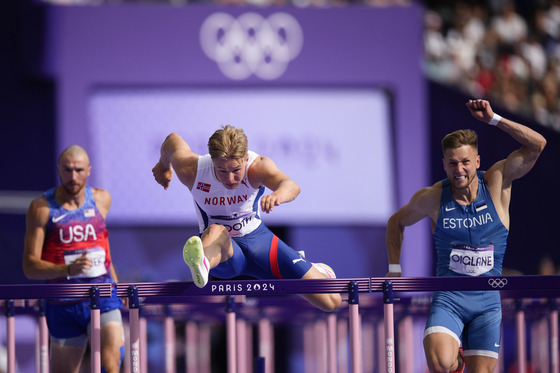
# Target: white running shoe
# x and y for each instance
(193, 255)
(324, 269)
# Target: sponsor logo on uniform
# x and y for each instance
(58, 218)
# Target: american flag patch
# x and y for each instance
(480, 206)
(88, 213)
(203, 186)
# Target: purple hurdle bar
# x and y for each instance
(355, 328)
(331, 342)
(523, 286)
(48, 291)
(169, 331)
(389, 326)
(95, 333)
(520, 337)
(134, 325)
(251, 287)
(11, 336)
(43, 345)
(231, 335)
(510, 286)
(555, 363)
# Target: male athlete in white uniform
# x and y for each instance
(469, 212)
(228, 186)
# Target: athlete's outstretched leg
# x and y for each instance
(204, 253)
(325, 301)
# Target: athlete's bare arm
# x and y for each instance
(103, 202)
(424, 203)
(501, 175)
(264, 172)
(175, 154)
(36, 222)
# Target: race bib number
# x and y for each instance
(471, 260)
(97, 256)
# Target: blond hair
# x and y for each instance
(228, 142)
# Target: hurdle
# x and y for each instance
(510, 286)
(11, 293)
(232, 293)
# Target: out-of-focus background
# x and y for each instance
(350, 98)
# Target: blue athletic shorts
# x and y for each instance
(471, 317)
(71, 319)
(261, 254)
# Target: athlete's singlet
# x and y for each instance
(470, 240)
(236, 209)
(71, 232)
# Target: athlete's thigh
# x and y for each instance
(445, 315)
(65, 358)
(482, 335)
(112, 332)
(441, 350)
(234, 266)
(270, 257)
(112, 345)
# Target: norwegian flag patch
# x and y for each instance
(203, 187)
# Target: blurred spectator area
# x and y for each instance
(503, 50)
(506, 51)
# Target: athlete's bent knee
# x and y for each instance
(216, 231)
(332, 302)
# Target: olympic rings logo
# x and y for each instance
(251, 44)
(497, 282)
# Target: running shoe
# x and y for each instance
(193, 255)
(461, 361)
(324, 269)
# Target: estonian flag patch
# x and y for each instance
(480, 206)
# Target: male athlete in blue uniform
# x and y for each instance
(469, 212)
(66, 241)
(227, 186)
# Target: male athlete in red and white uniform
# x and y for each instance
(66, 241)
